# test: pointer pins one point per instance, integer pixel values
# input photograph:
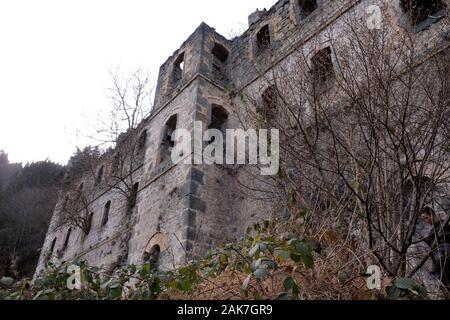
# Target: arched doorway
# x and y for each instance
(154, 249)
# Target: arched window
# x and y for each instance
(220, 52)
(219, 121)
(220, 57)
(322, 67)
(66, 241)
(306, 7)
(99, 175)
(106, 213)
(52, 247)
(89, 223)
(269, 102)
(152, 257)
(167, 144)
(219, 118)
(155, 246)
(178, 69)
(133, 196)
(263, 39)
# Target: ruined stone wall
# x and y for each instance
(189, 209)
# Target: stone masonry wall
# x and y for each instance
(189, 209)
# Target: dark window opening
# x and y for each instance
(89, 223)
(167, 143)
(152, 257)
(269, 102)
(142, 140)
(133, 195)
(263, 38)
(106, 213)
(100, 175)
(115, 163)
(420, 11)
(178, 68)
(52, 247)
(221, 56)
(66, 241)
(219, 118)
(322, 67)
(307, 7)
(220, 52)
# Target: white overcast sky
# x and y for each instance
(55, 56)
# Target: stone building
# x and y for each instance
(180, 211)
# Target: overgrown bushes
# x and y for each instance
(265, 264)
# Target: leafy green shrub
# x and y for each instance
(268, 263)
(406, 288)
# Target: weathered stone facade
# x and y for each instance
(187, 209)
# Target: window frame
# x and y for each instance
(302, 19)
(260, 46)
(106, 211)
(178, 69)
(166, 145)
(327, 74)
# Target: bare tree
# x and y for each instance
(364, 129)
(130, 98)
(76, 211)
(130, 106)
(120, 129)
(74, 205)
